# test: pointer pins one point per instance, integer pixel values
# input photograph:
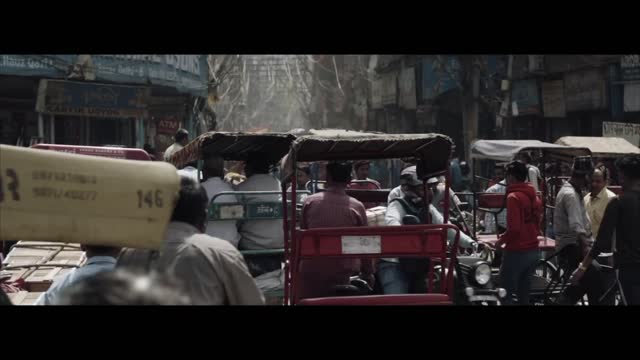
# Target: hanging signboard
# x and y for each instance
(167, 125)
(630, 66)
(525, 95)
(629, 132)
(553, 98)
(440, 73)
(585, 90)
(389, 89)
(186, 73)
(407, 85)
(376, 94)
(61, 97)
(631, 97)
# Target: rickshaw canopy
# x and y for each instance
(59, 197)
(233, 146)
(601, 146)
(327, 145)
(507, 150)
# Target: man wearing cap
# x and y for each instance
(361, 170)
(401, 278)
(396, 193)
(213, 183)
(574, 237)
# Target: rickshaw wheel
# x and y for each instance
(546, 284)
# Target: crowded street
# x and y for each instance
(320, 180)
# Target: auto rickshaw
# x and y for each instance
(52, 201)
(373, 242)
(236, 146)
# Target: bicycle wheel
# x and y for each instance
(546, 283)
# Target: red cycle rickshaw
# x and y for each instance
(432, 152)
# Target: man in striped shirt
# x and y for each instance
(332, 208)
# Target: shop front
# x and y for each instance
(99, 99)
(82, 113)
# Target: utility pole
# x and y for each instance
(504, 109)
(470, 106)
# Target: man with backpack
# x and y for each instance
(520, 241)
(402, 276)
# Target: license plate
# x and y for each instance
(361, 245)
(231, 212)
(483, 298)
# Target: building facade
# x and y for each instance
(543, 97)
(125, 100)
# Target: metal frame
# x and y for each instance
(293, 248)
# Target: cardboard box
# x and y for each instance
(24, 297)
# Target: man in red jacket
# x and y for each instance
(524, 213)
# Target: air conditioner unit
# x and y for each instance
(536, 63)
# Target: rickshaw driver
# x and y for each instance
(332, 208)
(213, 183)
(396, 193)
(402, 278)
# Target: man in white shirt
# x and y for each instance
(99, 259)
(533, 176)
(209, 270)
(182, 139)
(213, 183)
(190, 171)
(489, 218)
(260, 234)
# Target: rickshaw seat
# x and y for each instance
(378, 300)
(616, 189)
(491, 200)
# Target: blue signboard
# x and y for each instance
(525, 95)
(440, 73)
(630, 65)
(92, 99)
(186, 73)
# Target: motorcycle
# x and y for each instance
(474, 282)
